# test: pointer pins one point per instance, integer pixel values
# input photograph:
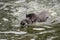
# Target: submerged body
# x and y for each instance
(32, 18)
(41, 17)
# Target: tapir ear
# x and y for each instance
(26, 15)
(30, 15)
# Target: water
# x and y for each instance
(13, 11)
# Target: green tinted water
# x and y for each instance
(12, 12)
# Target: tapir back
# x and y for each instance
(43, 15)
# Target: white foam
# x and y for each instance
(38, 29)
(5, 19)
(3, 39)
(50, 31)
(32, 39)
(20, 1)
(51, 38)
(21, 32)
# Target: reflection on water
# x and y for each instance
(13, 11)
(31, 33)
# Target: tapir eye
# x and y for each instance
(47, 17)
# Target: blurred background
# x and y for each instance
(13, 11)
